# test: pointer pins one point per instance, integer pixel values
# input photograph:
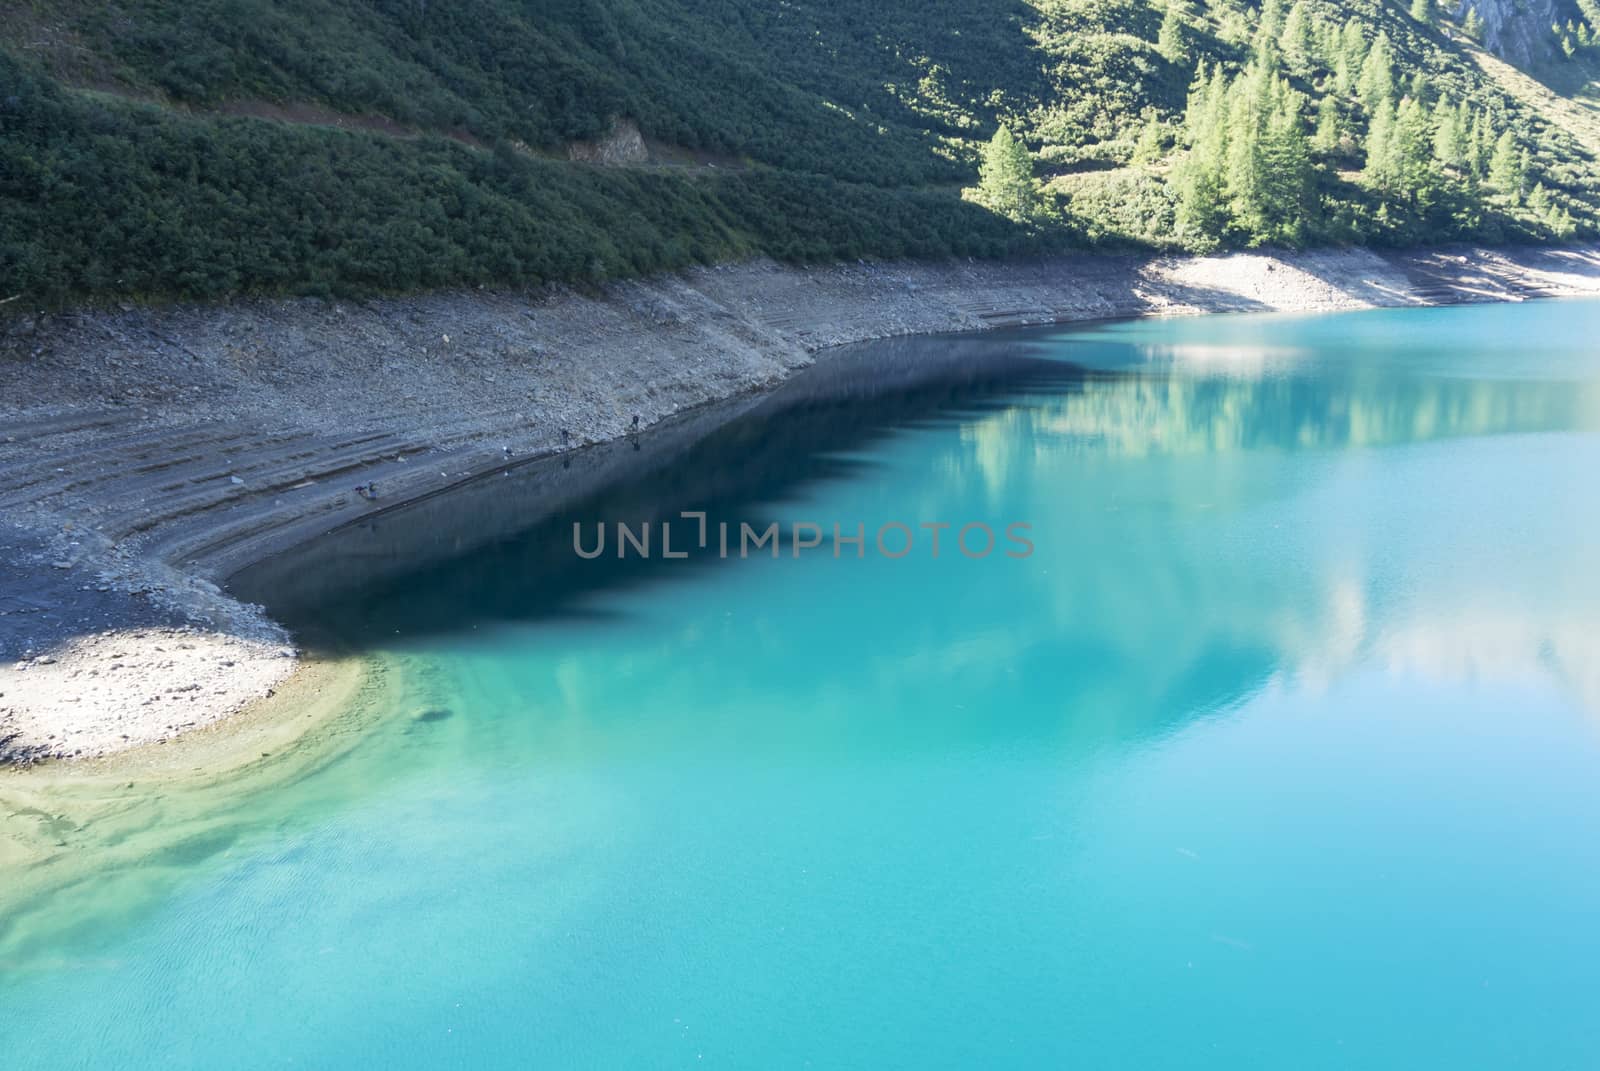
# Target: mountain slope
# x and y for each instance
(439, 135)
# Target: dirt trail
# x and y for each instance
(146, 454)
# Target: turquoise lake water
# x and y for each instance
(1282, 749)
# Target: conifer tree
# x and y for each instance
(1481, 146)
(1378, 172)
(1298, 46)
(1352, 54)
(1591, 13)
(1005, 177)
(1199, 177)
(1233, 26)
(1173, 41)
(1506, 168)
(1330, 131)
(1286, 161)
(1152, 141)
(1377, 74)
(1449, 139)
(1248, 108)
(1270, 25)
(1410, 150)
(1423, 11)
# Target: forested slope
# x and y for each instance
(130, 165)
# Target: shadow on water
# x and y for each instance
(501, 548)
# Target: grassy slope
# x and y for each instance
(859, 119)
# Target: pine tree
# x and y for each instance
(1480, 147)
(1152, 141)
(1233, 27)
(1325, 39)
(1505, 167)
(1411, 152)
(1449, 139)
(1352, 54)
(1173, 41)
(1248, 104)
(1005, 177)
(1269, 27)
(1377, 74)
(1298, 45)
(1379, 170)
(1330, 131)
(1591, 13)
(1423, 11)
(1198, 178)
(1286, 161)
(1473, 26)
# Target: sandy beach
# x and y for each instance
(148, 454)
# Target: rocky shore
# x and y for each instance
(147, 454)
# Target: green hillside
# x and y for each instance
(429, 141)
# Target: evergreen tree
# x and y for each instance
(1285, 192)
(1270, 26)
(1330, 130)
(1298, 45)
(1378, 172)
(1005, 177)
(1591, 13)
(1233, 27)
(1352, 54)
(1198, 179)
(1173, 41)
(1410, 148)
(1152, 141)
(1423, 11)
(1248, 108)
(1377, 74)
(1473, 26)
(1480, 147)
(1505, 167)
(1449, 138)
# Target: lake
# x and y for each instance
(1280, 748)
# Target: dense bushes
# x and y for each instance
(107, 198)
(852, 125)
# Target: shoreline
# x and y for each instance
(163, 450)
(105, 819)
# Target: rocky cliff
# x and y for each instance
(1519, 30)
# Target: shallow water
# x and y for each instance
(1281, 749)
